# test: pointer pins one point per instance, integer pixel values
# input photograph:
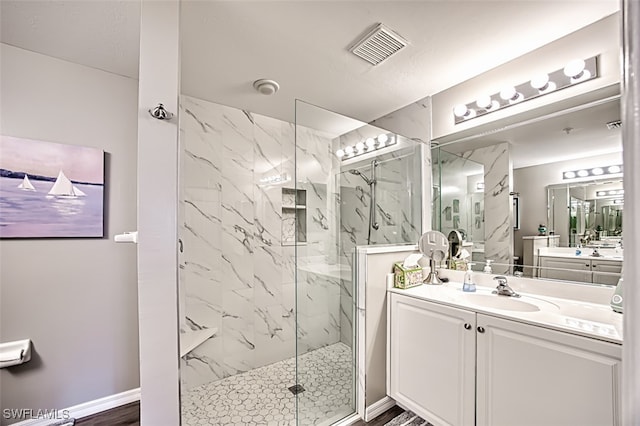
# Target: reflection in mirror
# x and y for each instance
(556, 214)
(588, 214)
(459, 204)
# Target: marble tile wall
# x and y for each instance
(495, 205)
(455, 171)
(414, 122)
(235, 273)
(404, 196)
(318, 281)
(397, 191)
(498, 203)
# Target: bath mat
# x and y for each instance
(407, 419)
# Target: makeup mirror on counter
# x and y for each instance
(560, 175)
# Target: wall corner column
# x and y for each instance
(631, 232)
(157, 214)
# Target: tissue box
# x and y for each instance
(405, 277)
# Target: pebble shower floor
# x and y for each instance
(261, 396)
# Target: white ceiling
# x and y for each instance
(303, 45)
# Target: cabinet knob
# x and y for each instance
(467, 326)
(480, 329)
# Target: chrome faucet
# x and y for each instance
(503, 288)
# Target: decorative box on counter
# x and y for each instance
(406, 276)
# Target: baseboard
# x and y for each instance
(83, 410)
(377, 408)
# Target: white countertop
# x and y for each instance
(586, 253)
(592, 320)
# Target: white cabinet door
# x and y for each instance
(606, 271)
(605, 278)
(432, 360)
(532, 376)
(559, 268)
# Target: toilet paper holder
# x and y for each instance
(15, 353)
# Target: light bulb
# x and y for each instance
(620, 191)
(510, 94)
(611, 192)
(484, 102)
(583, 173)
(348, 150)
(569, 175)
(542, 83)
(614, 169)
(383, 138)
(370, 143)
(340, 153)
(597, 171)
(601, 193)
(360, 146)
(574, 68)
(460, 110)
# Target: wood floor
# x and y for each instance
(129, 415)
(382, 418)
(125, 415)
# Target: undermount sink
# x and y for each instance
(507, 303)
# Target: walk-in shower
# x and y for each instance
(269, 219)
(371, 182)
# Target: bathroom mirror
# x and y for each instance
(540, 151)
(588, 214)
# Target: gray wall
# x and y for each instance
(75, 298)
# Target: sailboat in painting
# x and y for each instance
(26, 184)
(64, 188)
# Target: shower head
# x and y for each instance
(357, 172)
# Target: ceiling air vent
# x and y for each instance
(378, 45)
(614, 124)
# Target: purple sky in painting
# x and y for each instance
(78, 163)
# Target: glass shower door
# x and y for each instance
(325, 366)
(356, 185)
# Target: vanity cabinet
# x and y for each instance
(528, 375)
(530, 247)
(606, 271)
(452, 366)
(431, 362)
(589, 270)
(566, 269)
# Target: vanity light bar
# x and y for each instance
(575, 72)
(596, 171)
(368, 145)
(610, 193)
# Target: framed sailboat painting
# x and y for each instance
(50, 190)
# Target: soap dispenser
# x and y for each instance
(468, 285)
(487, 267)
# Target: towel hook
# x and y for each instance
(160, 113)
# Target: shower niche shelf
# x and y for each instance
(294, 216)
